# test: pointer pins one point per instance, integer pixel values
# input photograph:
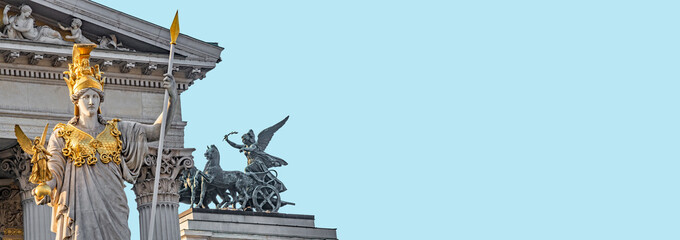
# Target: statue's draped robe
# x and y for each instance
(89, 202)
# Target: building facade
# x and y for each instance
(133, 54)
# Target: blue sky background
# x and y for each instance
(448, 119)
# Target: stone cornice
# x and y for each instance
(39, 74)
(111, 61)
(101, 53)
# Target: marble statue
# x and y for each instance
(76, 32)
(111, 42)
(22, 26)
(92, 157)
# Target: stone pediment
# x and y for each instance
(144, 49)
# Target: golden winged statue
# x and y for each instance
(40, 172)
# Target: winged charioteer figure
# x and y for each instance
(258, 160)
(40, 173)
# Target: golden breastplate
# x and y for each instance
(81, 147)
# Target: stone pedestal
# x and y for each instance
(212, 224)
(173, 162)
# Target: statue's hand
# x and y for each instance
(6, 9)
(227, 136)
(169, 84)
(45, 200)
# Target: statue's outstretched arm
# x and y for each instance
(153, 132)
(233, 144)
(62, 27)
(5, 18)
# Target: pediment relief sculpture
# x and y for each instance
(111, 42)
(22, 26)
(76, 32)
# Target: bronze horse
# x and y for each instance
(203, 187)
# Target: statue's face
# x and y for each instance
(88, 103)
(26, 11)
(247, 139)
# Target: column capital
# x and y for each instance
(173, 162)
(17, 163)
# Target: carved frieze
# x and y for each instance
(11, 213)
(114, 68)
(15, 169)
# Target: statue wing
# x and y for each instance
(266, 135)
(25, 142)
(269, 160)
(275, 162)
(42, 138)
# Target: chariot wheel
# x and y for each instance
(266, 198)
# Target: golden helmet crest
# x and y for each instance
(81, 75)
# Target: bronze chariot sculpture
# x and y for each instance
(258, 188)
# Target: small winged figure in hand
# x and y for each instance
(258, 160)
(40, 172)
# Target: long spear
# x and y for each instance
(174, 32)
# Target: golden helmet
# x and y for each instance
(81, 75)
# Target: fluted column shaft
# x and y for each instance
(167, 215)
(37, 218)
(166, 224)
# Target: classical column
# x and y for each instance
(36, 218)
(173, 162)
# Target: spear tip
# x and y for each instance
(174, 29)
